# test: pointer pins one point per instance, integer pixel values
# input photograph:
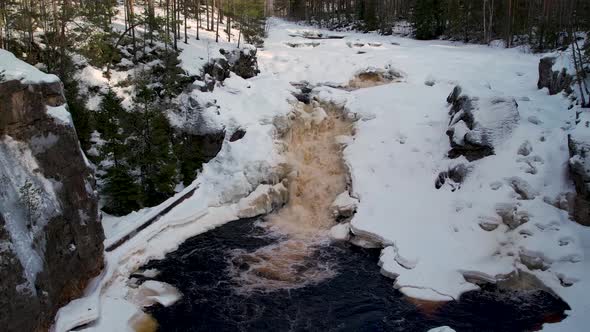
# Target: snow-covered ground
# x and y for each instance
(434, 237)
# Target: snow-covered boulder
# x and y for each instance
(453, 177)
(579, 166)
(478, 124)
(441, 329)
(263, 200)
(340, 232)
(50, 231)
(151, 292)
(344, 206)
(242, 62)
(554, 80)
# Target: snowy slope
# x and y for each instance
(433, 237)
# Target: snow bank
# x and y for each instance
(61, 115)
(12, 68)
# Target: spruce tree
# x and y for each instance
(428, 19)
(150, 146)
(123, 195)
(190, 155)
(108, 120)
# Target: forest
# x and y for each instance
(542, 24)
(140, 157)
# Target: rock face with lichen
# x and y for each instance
(50, 232)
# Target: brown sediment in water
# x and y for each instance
(372, 78)
(143, 322)
(318, 176)
(428, 308)
(367, 80)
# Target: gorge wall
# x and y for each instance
(50, 231)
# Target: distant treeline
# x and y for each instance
(543, 24)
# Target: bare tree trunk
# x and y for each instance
(207, 9)
(485, 31)
(198, 17)
(174, 25)
(217, 30)
(239, 36)
(185, 11)
(167, 23)
(228, 20)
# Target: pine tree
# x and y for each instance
(150, 146)
(190, 155)
(80, 114)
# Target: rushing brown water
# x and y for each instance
(318, 176)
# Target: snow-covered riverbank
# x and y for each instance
(435, 238)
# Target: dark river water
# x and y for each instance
(356, 298)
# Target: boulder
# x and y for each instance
(579, 168)
(512, 214)
(263, 200)
(344, 206)
(50, 231)
(477, 124)
(340, 232)
(453, 177)
(525, 148)
(441, 329)
(555, 81)
(242, 62)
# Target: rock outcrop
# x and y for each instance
(478, 123)
(555, 81)
(242, 62)
(50, 231)
(579, 166)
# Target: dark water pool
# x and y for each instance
(357, 298)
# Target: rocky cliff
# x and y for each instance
(554, 81)
(50, 231)
(579, 166)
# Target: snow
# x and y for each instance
(151, 292)
(14, 69)
(60, 114)
(432, 238)
(441, 329)
(340, 232)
